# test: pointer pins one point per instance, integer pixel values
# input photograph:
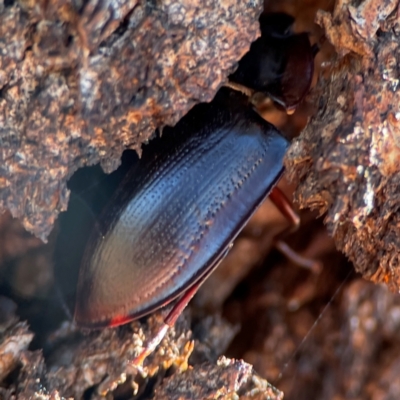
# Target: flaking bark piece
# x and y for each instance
(81, 83)
(13, 342)
(213, 335)
(31, 378)
(101, 359)
(32, 381)
(347, 161)
(227, 379)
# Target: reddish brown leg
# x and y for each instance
(174, 314)
(284, 206)
(169, 322)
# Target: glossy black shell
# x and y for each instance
(178, 210)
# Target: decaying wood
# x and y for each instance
(351, 147)
(81, 83)
(78, 85)
(347, 161)
(99, 362)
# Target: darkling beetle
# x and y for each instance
(175, 215)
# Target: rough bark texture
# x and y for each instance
(100, 362)
(315, 336)
(347, 160)
(81, 83)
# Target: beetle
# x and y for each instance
(178, 210)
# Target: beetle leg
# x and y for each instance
(257, 98)
(169, 322)
(285, 207)
(296, 258)
(283, 204)
(240, 88)
(175, 313)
